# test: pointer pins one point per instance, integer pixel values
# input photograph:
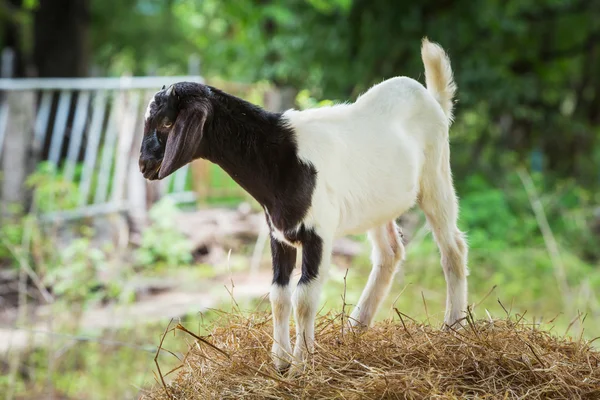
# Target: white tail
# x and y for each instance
(438, 75)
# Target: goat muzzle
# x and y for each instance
(150, 168)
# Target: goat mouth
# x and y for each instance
(152, 174)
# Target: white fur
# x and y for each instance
(280, 298)
(388, 253)
(147, 113)
(375, 159)
(369, 155)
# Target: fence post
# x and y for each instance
(280, 99)
(15, 157)
(201, 179)
(194, 65)
(200, 169)
(8, 63)
(18, 134)
(140, 193)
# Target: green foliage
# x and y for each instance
(71, 271)
(304, 100)
(73, 274)
(11, 232)
(330, 6)
(492, 217)
(111, 364)
(528, 78)
(537, 90)
(162, 242)
(499, 216)
(31, 4)
(52, 191)
(524, 279)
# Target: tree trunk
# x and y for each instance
(61, 38)
(61, 48)
(13, 37)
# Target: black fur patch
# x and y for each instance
(258, 149)
(312, 255)
(284, 261)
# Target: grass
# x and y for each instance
(396, 359)
(113, 364)
(522, 278)
(119, 363)
(98, 365)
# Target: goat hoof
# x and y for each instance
(356, 328)
(282, 365)
(281, 357)
(296, 370)
(282, 368)
(454, 326)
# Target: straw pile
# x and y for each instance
(395, 359)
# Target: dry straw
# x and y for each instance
(396, 359)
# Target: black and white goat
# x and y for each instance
(325, 172)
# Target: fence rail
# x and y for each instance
(90, 129)
(122, 83)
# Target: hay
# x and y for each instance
(395, 359)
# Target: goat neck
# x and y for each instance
(258, 149)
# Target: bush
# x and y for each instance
(162, 242)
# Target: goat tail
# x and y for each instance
(438, 75)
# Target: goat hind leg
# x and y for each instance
(387, 254)
(440, 205)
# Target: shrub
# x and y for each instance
(162, 242)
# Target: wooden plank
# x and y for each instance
(92, 210)
(137, 190)
(201, 179)
(126, 136)
(182, 197)
(8, 63)
(41, 123)
(165, 185)
(181, 179)
(81, 112)
(108, 148)
(91, 150)
(123, 83)
(60, 124)
(4, 110)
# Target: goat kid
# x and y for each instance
(326, 172)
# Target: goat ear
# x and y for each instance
(163, 88)
(183, 141)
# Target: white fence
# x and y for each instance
(90, 129)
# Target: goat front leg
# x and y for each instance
(316, 257)
(284, 260)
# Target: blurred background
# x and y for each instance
(94, 261)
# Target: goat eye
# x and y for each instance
(168, 124)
